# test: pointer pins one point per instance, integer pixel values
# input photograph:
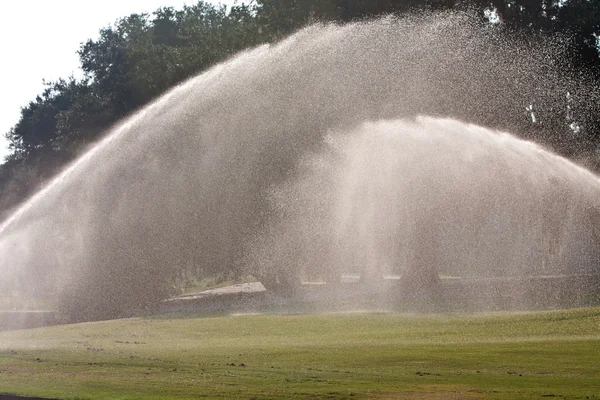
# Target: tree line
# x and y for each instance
(141, 55)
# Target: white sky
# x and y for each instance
(39, 40)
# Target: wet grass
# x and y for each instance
(328, 356)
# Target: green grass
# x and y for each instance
(328, 356)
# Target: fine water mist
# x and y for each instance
(474, 202)
(309, 158)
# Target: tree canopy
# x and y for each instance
(141, 55)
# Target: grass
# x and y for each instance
(552, 354)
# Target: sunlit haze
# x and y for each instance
(40, 40)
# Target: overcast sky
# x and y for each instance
(39, 40)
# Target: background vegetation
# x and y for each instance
(141, 55)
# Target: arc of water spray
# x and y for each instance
(74, 167)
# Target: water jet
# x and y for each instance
(342, 149)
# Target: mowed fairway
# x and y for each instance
(553, 354)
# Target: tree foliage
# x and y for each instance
(142, 55)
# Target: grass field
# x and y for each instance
(552, 354)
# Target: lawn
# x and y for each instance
(553, 354)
